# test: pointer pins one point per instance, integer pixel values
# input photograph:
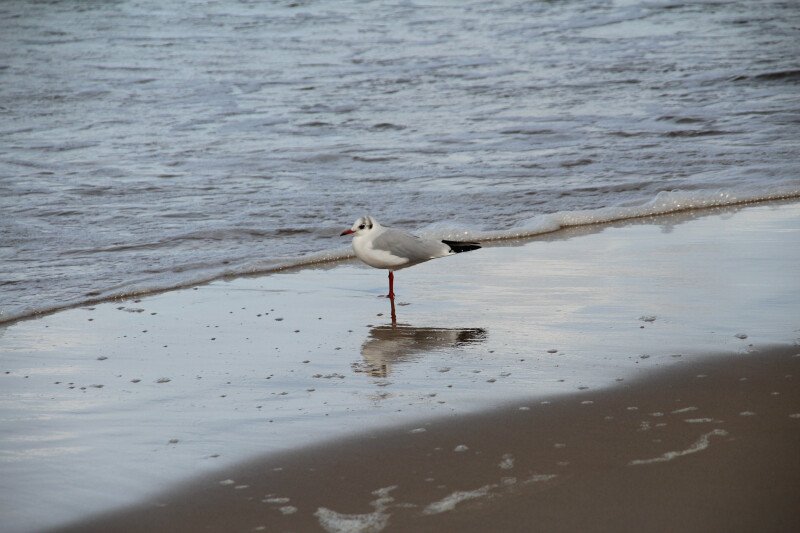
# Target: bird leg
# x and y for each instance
(391, 296)
(391, 286)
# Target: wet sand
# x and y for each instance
(119, 404)
(709, 446)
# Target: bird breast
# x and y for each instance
(365, 251)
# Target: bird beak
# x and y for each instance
(346, 232)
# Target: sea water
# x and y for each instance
(146, 145)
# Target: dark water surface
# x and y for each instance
(151, 144)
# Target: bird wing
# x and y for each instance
(411, 247)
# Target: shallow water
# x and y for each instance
(151, 144)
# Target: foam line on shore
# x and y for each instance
(664, 203)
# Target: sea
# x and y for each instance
(149, 145)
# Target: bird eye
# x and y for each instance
(361, 226)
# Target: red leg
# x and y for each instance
(391, 296)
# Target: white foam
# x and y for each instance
(684, 410)
(276, 500)
(334, 522)
(373, 522)
(664, 203)
(448, 503)
(507, 462)
(536, 478)
(699, 445)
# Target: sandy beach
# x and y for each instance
(627, 376)
(710, 446)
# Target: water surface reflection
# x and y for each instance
(388, 345)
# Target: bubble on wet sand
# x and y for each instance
(747, 413)
(507, 463)
(461, 448)
(288, 509)
(226, 482)
(448, 503)
(794, 415)
(537, 478)
(334, 522)
(699, 445)
(684, 410)
(418, 430)
(373, 522)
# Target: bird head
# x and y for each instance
(362, 226)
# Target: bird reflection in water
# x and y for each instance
(390, 345)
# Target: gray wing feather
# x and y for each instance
(414, 248)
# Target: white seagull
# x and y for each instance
(393, 249)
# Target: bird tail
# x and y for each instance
(458, 247)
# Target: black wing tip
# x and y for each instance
(459, 247)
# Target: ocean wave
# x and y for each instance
(663, 203)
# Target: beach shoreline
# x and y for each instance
(552, 225)
(111, 405)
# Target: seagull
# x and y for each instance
(393, 249)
